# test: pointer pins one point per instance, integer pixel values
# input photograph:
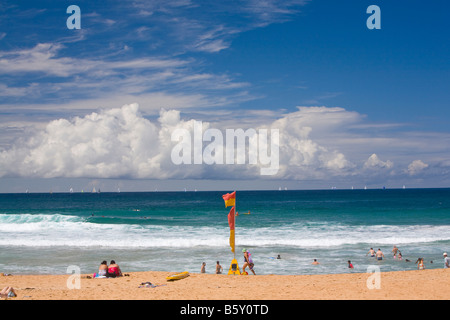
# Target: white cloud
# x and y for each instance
(111, 143)
(202, 27)
(376, 163)
(89, 83)
(122, 143)
(44, 58)
(416, 167)
(303, 157)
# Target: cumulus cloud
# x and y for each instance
(121, 142)
(301, 156)
(416, 167)
(376, 163)
(113, 143)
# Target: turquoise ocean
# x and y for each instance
(177, 231)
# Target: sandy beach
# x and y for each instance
(399, 285)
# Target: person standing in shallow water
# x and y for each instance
(446, 261)
(395, 251)
(248, 261)
(219, 268)
(380, 255)
(420, 264)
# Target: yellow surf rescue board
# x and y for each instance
(178, 276)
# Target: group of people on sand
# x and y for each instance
(8, 292)
(108, 271)
(248, 262)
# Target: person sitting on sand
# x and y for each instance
(315, 262)
(248, 262)
(114, 270)
(219, 268)
(102, 270)
(8, 292)
(202, 270)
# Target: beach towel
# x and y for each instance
(150, 285)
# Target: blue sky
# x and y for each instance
(354, 106)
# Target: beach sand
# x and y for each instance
(399, 285)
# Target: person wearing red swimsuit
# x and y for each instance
(114, 270)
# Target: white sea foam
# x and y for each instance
(64, 230)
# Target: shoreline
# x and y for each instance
(394, 285)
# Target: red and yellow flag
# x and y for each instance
(231, 218)
(230, 199)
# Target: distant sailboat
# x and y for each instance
(404, 187)
(71, 190)
(93, 190)
(365, 187)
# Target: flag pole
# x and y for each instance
(235, 211)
